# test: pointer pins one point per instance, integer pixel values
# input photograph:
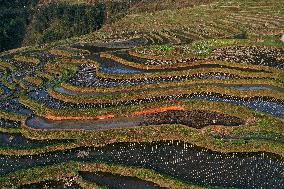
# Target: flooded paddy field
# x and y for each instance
(259, 104)
(177, 159)
(150, 101)
(189, 118)
(117, 181)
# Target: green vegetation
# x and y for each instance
(28, 60)
(205, 48)
(70, 171)
(14, 20)
(217, 20)
(60, 21)
(177, 97)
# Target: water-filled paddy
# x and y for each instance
(265, 56)
(5, 91)
(113, 67)
(193, 119)
(246, 87)
(9, 124)
(124, 122)
(20, 142)
(82, 96)
(111, 46)
(86, 77)
(257, 104)
(250, 88)
(14, 106)
(114, 181)
(177, 159)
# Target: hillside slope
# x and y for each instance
(15, 17)
(33, 22)
(216, 19)
(190, 98)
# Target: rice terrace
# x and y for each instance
(142, 94)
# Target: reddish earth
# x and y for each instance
(158, 110)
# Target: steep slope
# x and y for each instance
(32, 22)
(58, 21)
(14, 19)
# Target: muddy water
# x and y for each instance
(124, 122)
(177, 159)
(193, 119)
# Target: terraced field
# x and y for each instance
(187, 105)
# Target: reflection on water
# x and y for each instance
(177, 159)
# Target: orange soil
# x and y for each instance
(144, 112)
(158, 110)
(105, 117)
